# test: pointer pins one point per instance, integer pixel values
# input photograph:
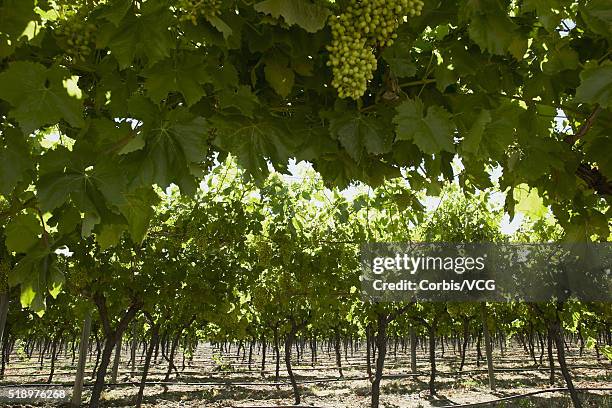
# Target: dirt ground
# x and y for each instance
(225, 381)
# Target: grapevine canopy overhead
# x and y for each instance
(100, 101)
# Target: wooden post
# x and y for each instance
(77, 390)
(488, 345)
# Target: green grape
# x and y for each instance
(364, 26)
(193, 9)
(77, 37)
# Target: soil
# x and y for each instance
(221, 381)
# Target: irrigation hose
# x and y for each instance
(475, 404)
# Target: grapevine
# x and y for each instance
(195, 8)
(363, 27)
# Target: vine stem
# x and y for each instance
(419, 82)
(571, 139)
(427, 71)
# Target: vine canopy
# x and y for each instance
(102, 101)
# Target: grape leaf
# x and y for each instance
(529, 202)
(54, 189)
(519, 47)
(432, 132)
(109, 235)
(337, 169)
(105, 134)
(146, 35)
(488, 25)
(598, 151)
(173, 142)
(55, 280)
(473, 137)
(116, 10)
(584, 226)
(90, 220)
(242, 99)
(542, 152)
(68, 220)
(38, 96)
(560, 58)
(60, 177)
(280, 77)
(138, 211)
(109, 179)
(15, 15)
(254, 141)
(358, 133)
(547, 11)
(15, 160)
(398, 58)
(598, 16)
(445, 77)
(311, 17)
(221, 26)
(136, 143)
(596, 84)
(95, 185)
(22, 233)
(225, 74)
(184, 74)
(492, 32)
(36, 274)
(464, 62)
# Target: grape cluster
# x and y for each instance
(195, 8)
(264, 251)
(199, 238)
(77, 279)
(364, 26)
(77, 37)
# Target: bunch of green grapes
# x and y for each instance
(364, 26)
(199, 237)
(193, 9)
(77, 279)
(353, 64)
(264, 251)
(77, 37)
(5, 268)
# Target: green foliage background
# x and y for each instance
(150, 98)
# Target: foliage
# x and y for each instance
(102, 102)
